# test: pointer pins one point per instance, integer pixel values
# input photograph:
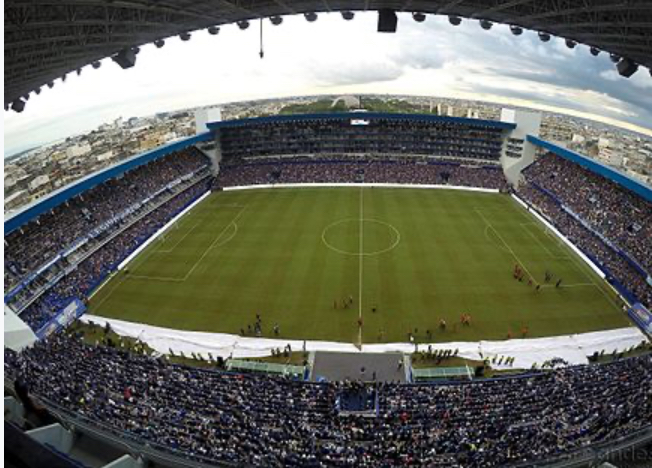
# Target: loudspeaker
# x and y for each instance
(626, 68)
(125, 58)
(387, 20)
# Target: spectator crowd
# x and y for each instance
(406, 136)
(34, 244)
(90, 272)
(371, 170)
(618, 214)
(256, 420)
(563, 183)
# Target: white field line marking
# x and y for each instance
(523, 225)
(231, 205)
(233, 222)
(157, 278)
(104, 283)
(486, 235)
(582, 267)
(181, 280)
(397, 239)
(511, 251)
(179, 241)
(576, 285)
(213, 244)
(115, 286)
(360, 263)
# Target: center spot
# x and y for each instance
(343, 236)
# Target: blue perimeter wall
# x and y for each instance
(594, 166)
(33, 211)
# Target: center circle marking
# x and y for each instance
(397, 237)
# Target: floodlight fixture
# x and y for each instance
(419, 17)
(18, 105)
(126, 58)
(486, 24)
(455, 20)
(627, 67)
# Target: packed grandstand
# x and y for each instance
(244, 420)
(218, 417)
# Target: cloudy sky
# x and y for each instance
(337, 56)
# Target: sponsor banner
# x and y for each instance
(65, 317)
(642, 317)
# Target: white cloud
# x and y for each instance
(328, 56)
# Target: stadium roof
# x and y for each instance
(46, 39)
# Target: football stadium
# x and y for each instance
(331, 289)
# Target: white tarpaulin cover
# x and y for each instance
(572, 348)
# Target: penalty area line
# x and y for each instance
(511, 251)
(213, 244)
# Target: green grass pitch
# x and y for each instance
(289, 254)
